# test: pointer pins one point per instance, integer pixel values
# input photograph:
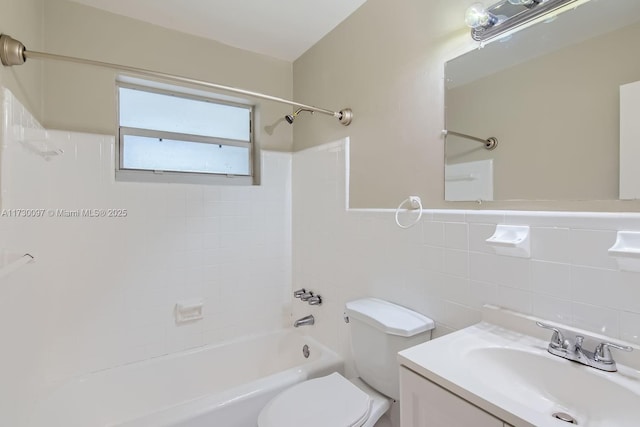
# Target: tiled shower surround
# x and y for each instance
(102, 291)
(443, 268)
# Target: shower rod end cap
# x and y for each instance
(346, 116)
(491, 143)
(11, 51)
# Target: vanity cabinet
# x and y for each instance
(425, 404)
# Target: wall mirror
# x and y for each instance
(550, 94)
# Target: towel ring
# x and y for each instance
(415, 203)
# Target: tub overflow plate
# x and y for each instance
(565, 417)
(305, 351)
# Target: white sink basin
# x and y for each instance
(552, 384)
(512, 376)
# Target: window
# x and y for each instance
(172, 137)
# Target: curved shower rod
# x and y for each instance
(13, 52)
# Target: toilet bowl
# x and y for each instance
(379, 330)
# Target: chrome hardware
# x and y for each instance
(315, 300)
(602, 354)
(557, 339)
(307, 320)
(306, 352)
(345, 317)
(565, 417)
(516, 17)
(306, 296)
(600, 358)
(13, 52)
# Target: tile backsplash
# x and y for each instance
(443, 268)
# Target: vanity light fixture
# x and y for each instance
(489, 22)
(528, 3)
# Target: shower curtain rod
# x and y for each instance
(13, 52)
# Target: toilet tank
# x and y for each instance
(379, 330)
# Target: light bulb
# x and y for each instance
(477, 16)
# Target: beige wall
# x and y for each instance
(387, 63)
(22, 20)
(551, 113)
(81, 98)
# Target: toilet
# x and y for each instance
(379, 330)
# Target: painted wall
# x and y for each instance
(386, 61)
(81, 98)
(23, 20)
(102, 290)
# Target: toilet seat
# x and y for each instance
(320, 402)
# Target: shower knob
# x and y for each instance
(306, 296)
(315, 300)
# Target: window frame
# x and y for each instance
(185, 177)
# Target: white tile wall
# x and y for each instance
(442, 266)
(103, 290)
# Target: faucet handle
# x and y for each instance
(315, 300)
(557, 339)
(306, 296)
(603, 352)
(299, 293)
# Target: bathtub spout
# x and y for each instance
(307, 320)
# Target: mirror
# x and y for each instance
(550, 94)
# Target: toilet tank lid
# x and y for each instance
(388, 317)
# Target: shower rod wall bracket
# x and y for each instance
(346, 116)
(13, 52)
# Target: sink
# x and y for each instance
(512, 376)
(552, 384)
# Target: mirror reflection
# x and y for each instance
(550, 94)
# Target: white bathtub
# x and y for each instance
(217, 386)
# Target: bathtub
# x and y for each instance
(216, 386)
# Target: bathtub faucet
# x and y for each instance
(307, 320)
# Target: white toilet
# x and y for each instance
(379, 330)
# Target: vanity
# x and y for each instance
(499, 373)
(425, 403)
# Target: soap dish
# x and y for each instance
(511, 240)
(626, 250)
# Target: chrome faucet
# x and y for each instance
(600, 358)
(307, 320)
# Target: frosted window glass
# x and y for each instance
(154, 111)
(182, 156)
